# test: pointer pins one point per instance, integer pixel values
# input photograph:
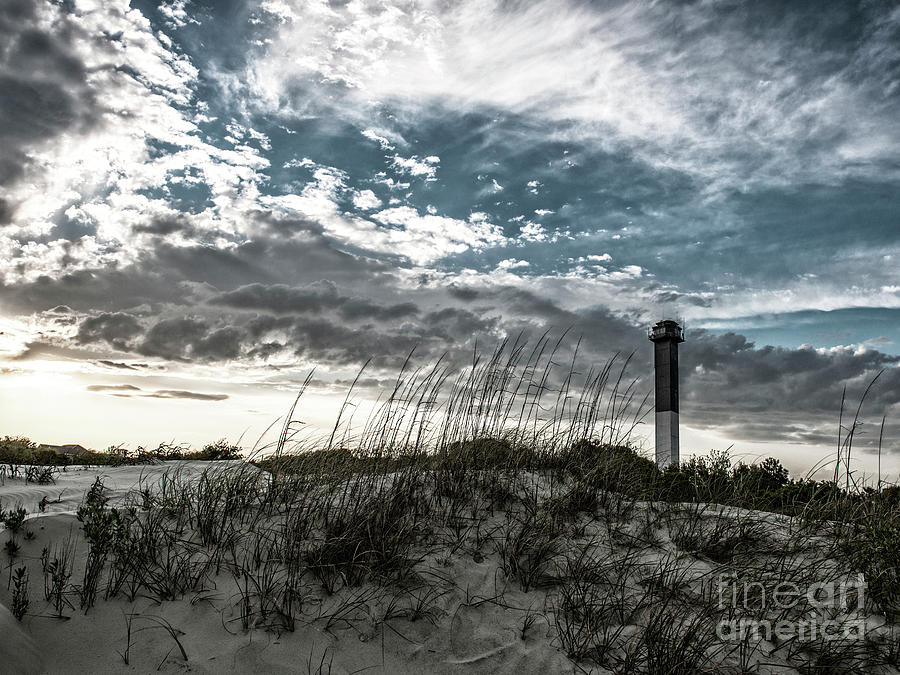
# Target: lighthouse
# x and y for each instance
(666, 336)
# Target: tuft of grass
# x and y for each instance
(527, 546)
(20, 593)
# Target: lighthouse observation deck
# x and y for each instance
(666, 330)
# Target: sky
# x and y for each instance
(202, 201)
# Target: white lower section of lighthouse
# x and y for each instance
(666, 438)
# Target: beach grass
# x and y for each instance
(505, 501)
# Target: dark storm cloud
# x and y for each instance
(730, 369)
(774, 393)
(42, 349)
(259, 326)
(280, 298)
(167, 225)
(356, 309)
(115, 328)
(266, 350)
(315, 298)
(190, 339)
(182, 339)
(106, 288)
(332, 342)
(602, 332)
(452, 323)
(44, 85)
(5, 208)
(462, 292)
(312, 329)
(738, 424)
(219, 345)
(159, 274)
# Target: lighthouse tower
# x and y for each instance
(665, 336)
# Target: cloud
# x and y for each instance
(113, 387)
(95, 94)
(115, 328)
(425, 238)
(425, 167)
(119, 365)
(165, 271)
(512, 263)
(777, 393)
(280, 298)
(189, 395)
(190, 339)
(38, 350)
(366, 200)
(687, 85)
(44, 83)
(396, 231)
(332, 181)
(165, 225)
(313, 299)
(374, 135)
(129, 391)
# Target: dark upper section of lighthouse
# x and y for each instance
(666, 330)
(666, 335)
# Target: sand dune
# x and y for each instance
(578, 592)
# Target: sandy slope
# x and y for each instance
(18, 651)
(482, 638)
(485, 639)
(475, 620)
(471, 634)
(66, 492)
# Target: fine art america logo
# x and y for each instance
(785, 610)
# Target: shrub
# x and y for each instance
(875, 552)
(16, 449)
(219, 450)
(612, 467)
(13, 519)
(766, 477)
(483, 453)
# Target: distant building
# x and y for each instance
(71, 449)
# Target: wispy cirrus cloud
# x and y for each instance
(683, 86)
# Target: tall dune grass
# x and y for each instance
(518, 461)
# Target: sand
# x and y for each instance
(476, 620)
(477, 637)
